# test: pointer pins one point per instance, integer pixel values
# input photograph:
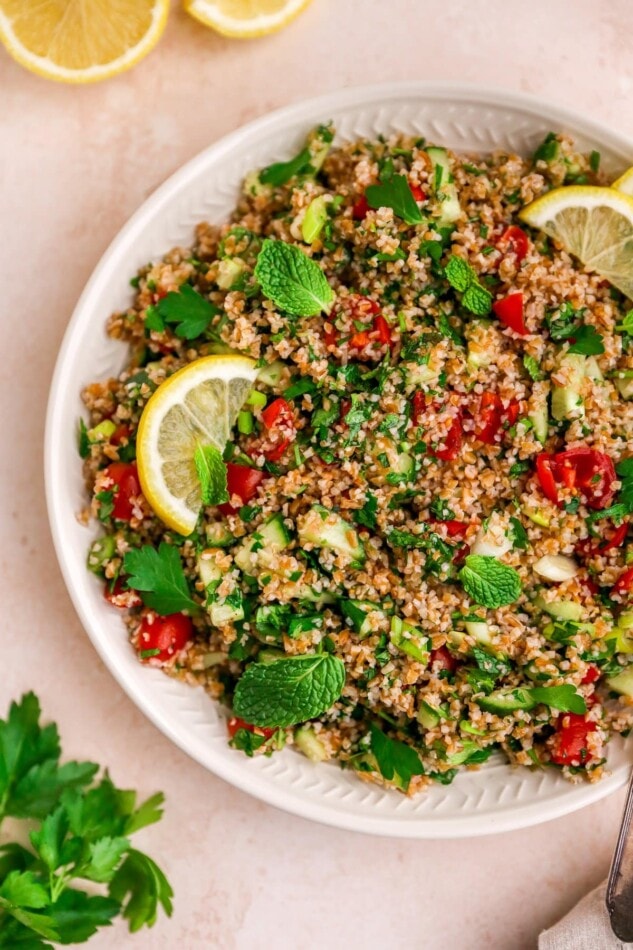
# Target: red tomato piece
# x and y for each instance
(624, 583)
(587, 471)
(359, 340)
(441, 659)
(416, 191)
(381, 328)
(279, 419)
(120, 433)
(492, 415)
(235, 723)
(452, 442)
(360, 208)
(591, 676)
(589, 547)
(120, 596)
(515, 241)
(126, 488)
(169, 635)
(330, 334)
(418, 405)
(243, 481)
(510, 311)
(454, 529)
(570, 741)
(462, 553)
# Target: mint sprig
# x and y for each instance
(289, 690)
(159, 577)
(489, 582)
(212, 474)
(463, 278)
(80, 831)
(292, 280)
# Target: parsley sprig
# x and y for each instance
(158, 575)
(188, 311)
(81, 828)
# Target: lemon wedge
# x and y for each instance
(625, 182)
(81, 40)
(594, 224)
(245, 18)
(197, 406)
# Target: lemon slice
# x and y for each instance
(244, 18)
(198, 405)
(81, 40)
(625, 182)
(595, 224)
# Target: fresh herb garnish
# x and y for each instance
(159, 576)
(281, 172)
(518, 535)
(289, 690)
(83, 442)
(212, 474)
(366, 516)
(394, 758)
(394, 193)
(566, 324)
(533, 368)
(489, 582)
(292, 280)
(463, 278)
(80, 830)
(565, 698)
(187, 310)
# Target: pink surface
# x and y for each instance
(75, 163)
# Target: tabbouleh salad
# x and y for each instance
(415, 547)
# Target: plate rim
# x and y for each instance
(524, 815)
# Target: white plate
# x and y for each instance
(497, 798)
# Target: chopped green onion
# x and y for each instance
(245, 422)
(258, 400)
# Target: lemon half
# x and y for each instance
(245, 18)
(81, 40)
(198, 405)
(594, 224)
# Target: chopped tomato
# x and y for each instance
(587, 471)
(381, 328)
(329, 333)
(243, 481)
(515, 241)
(570, 741)
(590, 547)
(120, 596)
(364, 310)
(279, 420)
(360, 208)
(454, 529)
(591, 676)
(168, 635)
(510, 311)
(492, 415)
(462, 553)
(418, 405)
(452, 442)
(624, 583)
(235, 724)
(120, 433)
(590, 585)
(359, 340)
(416, 191)
(126, 488)
(441, 659)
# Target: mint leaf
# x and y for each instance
(188, 310)
(564, 698)
(289, 690)
(478, 300)
(212, 474)
(532, 368)
(141, 886)
(459, 273)
(395, 194)
(488, 582)
(281, 172)
(292, 280)
(395, 758)
(160, 578)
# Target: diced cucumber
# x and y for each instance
(458, 758)
(272, 374)
(538, 412)
(218, 535)
(622, 683)
(445, 190)
(102, 431)
(271, 620)
(317, 597)
(208, 567)
(478, 356)
(501, 701)
(221, 614)
(533, 673)
(421, 374)
(408, 639)
(260, 549)
(537, 516)
(624, 386)
(623, 641)
(314, 219)
(101, 550)
(307, 741)
(480, 352)
(270, 656)
(211, 574)
(427, 716)
(357, 612)
(592, 369)
(326, 529)
(567, 402)
(299, 626)
(320, 143)
(561, 609)
(479, 630)
(253, 186)
(229, 272)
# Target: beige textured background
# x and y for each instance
(74, 164)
